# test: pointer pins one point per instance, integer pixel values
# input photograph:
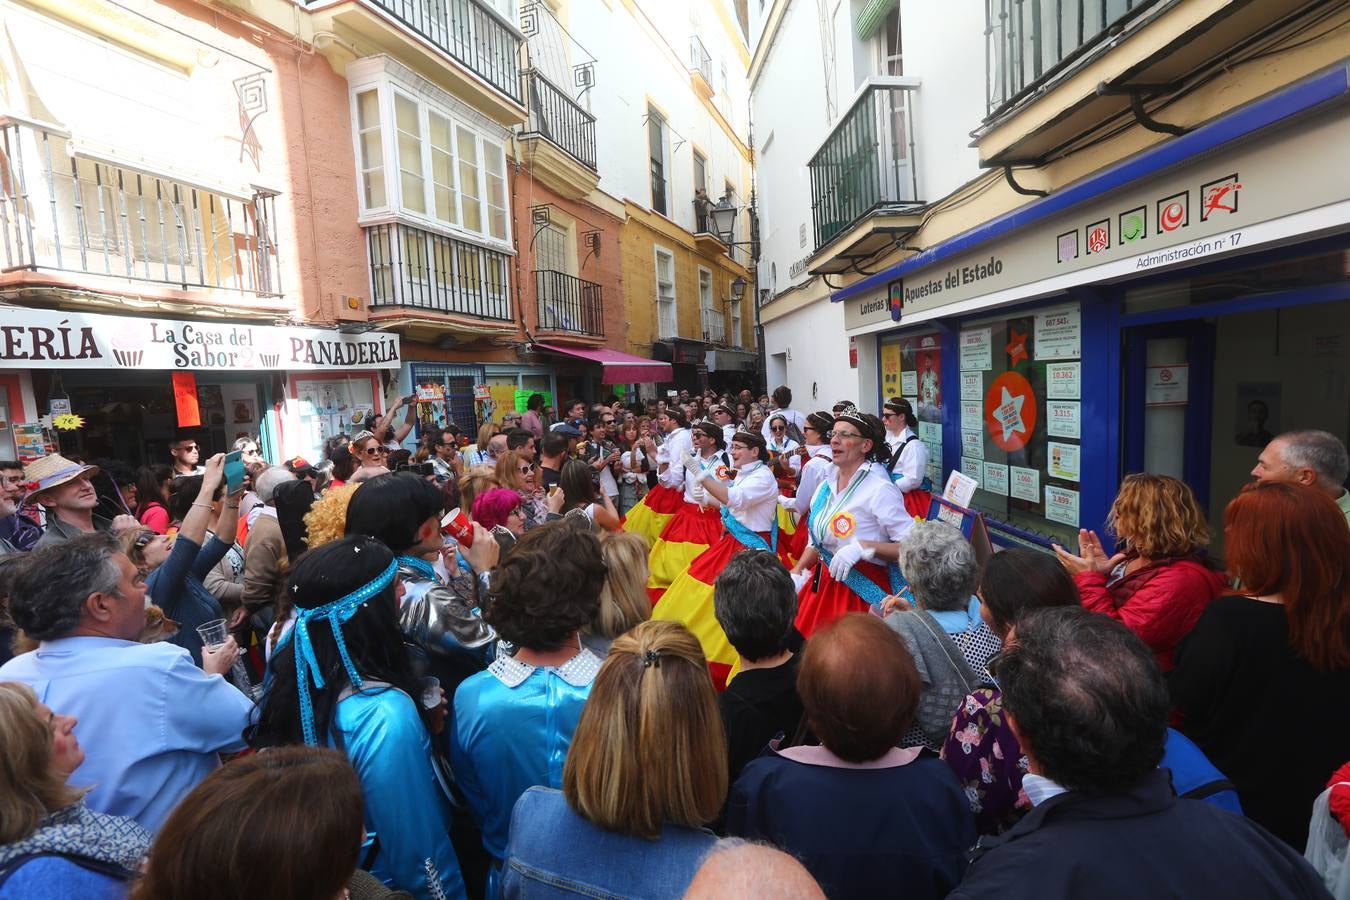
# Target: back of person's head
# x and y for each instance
(338, 449)
(293, 500)
(327, 518)
(577, 485)
(547, 588)
(1320, 451)
(1087, 698)
(517, 438)
(183, 492)
(492, 507)
(29, 787)
(265, 484)
(1290, 539)
(370, 634)
(536, 402)
(650, 747)
(623, 600)
(858, 718)
(50, 591)
(754, 602)
(1019, 579)
(1158, 517)
(940, 565)
(393, 508)
(554, 444)
(285, 823)
(485, 433)
(782, 396)
(737, 868)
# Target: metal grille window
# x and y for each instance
(457, 384)
(667, 323)
(412, 267)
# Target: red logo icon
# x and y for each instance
(1099, 237)
(1010, 411)
(1219, 197)
(1174, 212)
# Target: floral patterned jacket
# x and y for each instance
(988, 761)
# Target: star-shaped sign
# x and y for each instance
(1009, 414)
(1017, 348)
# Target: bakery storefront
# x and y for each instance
(1169, 314)
(132, 384)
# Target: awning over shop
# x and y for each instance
(618, 368)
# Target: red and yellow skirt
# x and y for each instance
(689, 601)
(653, 512)
(818, 607)
(689, 532)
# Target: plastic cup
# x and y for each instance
(432, 693)
(456, 524)
(213, 633)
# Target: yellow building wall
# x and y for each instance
(640, 235)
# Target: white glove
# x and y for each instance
(700, 495)
(799, 580)
(691, 465)
(788, 503)
(846, 557)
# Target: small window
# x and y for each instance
(411, 181)
(471, 199)
(371, 150)
(443, 191)
(735, 322)
(667, 324)
(494, 165)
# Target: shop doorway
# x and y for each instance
(1235, 382)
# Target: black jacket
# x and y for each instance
(1140, 843)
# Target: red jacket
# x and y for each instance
(1160, 602)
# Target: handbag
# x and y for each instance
(1327, 846)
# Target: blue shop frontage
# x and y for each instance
(1169, 314)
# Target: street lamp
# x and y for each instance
(723, 217)
(738, 288)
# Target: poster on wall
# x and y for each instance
(996, 478)
(1010, 411)
(1062, 461)
(1059, 333)
(1167, 385)
(890, 369)
(972, 385)
(1061, 505)
(1062, 381)
(971, 412)
(971, 469)
(1025, 484)
(977, 350)
(29, 442)
(244, 412)
(1257, 414)
(972, 443)
(1063, 419)
(920, 375)
(909, 384)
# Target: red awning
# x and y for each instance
(618, 368)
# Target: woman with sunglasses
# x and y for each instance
(369, 452)
(857, 518)
(516, 473)
(697, 524)
(748, 509)
(780, 448)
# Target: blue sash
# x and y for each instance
(857, 582)
(748, 538)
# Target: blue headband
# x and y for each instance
(337, 612)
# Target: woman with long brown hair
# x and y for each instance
(1158, 582)
(1261, 679)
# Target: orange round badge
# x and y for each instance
(1010, 411)
(842, 525)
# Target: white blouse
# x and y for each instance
(816, 469)
(874, 511)
(677, 444)
(913, 461)
(753, 497)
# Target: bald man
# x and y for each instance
(736, 868)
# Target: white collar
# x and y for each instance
(1040, 789)
(578, 671)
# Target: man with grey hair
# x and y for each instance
(150, 722)
(746, 871)
(1316, 458)
(754, 602)
(941, 624)
(265, 547)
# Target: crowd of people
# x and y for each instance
(705, 646)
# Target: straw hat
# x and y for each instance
(47, 472)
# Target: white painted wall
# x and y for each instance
(815, 357)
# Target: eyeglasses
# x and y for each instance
(13, 479)
(842, 435)
(375, 451)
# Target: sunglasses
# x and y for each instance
(889, 415)
(375, 451)
(143, 540)
(777, 428)
(525, 470)
(842, 435)
(187, 446)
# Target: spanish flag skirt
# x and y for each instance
(689, 601)
(653, 512)
(689, 532)
(819, 605)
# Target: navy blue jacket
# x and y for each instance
(1144, 842)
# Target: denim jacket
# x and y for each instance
(554, 852)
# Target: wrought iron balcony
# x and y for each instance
(557, 117)
(568, 303)
(72, 213)
(714, 325)
(1028, 40)
(867, 161)
(417, 269)
(699, 59)
(470, 32)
